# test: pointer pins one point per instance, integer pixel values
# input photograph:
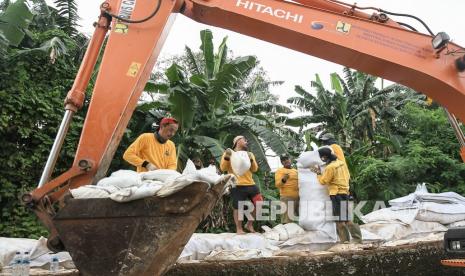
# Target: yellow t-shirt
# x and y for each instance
(291, 187)
(340, 155)
(147, 148)
(335, 176)
(245, 179)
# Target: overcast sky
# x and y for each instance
(293, 67)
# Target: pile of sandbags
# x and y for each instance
(418, 214)
(126, 185)
(201, 245)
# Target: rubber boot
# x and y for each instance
(355, 232)
(342, 232)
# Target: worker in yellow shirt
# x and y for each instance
(336, 178)
(286, 180)
(328, 139)
(245, 190)
(153, 151)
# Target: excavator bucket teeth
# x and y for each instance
(142, 237)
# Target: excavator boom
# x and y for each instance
(342, 34)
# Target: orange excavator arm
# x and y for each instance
(137, 29)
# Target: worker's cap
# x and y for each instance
(167, 121)
(236, 139)
(327, 136)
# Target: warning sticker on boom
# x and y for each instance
(125, 12)
(133, 69)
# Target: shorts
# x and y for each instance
(340, 204)
(243, 193)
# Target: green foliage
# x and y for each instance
(34, 84)
(429, 155)
(14, 21)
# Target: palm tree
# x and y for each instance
(66, 16)
(356, 110)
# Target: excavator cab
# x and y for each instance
(146, 236)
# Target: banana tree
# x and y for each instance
(216, 97)
(355, 109)
(14, 22)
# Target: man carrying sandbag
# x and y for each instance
(153, 151)
(328, 139)
(336, 178)
(287, 181)
(246, 190)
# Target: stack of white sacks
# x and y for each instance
(126, 185)
(419, 214)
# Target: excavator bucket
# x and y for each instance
(142, 237)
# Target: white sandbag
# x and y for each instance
(149, 188)
(424, 238)
(270, 233)
(426, 227)
(389, 230)
(460, 223)
(121, 179)
(281, 230)
(91, 191)
(445, 213)
(405, 201)
(293, 230)
(387, 214)
(445, 208)
(309, 237)
(309, 159)
(446, 197)
(368, 237)
(209, 175)
(124, 173)
(426, 215)
(240, 162)
(173, 185)
(315, 208)
(201, 245)
(159, 175)
(238, 254)
(420, 196)
(189, 168)
(395, 230)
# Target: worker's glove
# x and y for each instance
(250, 156)
(150, 167)
(227, 154)
(285, 178)
(315, 170)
